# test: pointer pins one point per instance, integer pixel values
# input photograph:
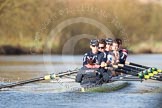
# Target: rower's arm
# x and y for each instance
(85, 59)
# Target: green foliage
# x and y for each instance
(22, 20)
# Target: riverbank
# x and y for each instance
(146, 47)
(141, 48)
(25, 29)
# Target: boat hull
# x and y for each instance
(108, 87)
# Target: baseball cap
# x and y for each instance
(94, 42)
(108, 41)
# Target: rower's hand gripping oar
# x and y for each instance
(46, 77)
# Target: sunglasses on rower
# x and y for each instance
(94, 46)
(109, 44)
(101, 47)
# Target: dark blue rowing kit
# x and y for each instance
(123, 56)
(90, 58)
(93, 76)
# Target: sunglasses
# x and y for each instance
(101, 47)
(109, 44)
(94, 46)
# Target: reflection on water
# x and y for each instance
(46, 94)
(13, 68)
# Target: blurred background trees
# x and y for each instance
(24, 23)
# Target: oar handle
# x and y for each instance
(126, 72)
(138, 65)
(131, 67)
(125, 68)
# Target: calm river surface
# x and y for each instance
(147, 94)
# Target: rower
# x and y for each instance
(92, 59)
(115, 48)
(89, 74)
(108, 44)
(101, 48)
(105, 61)
(123, 53)
(110, 55)
(120, 54)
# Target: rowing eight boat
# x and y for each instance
(152, 73)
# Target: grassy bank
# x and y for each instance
(147, 47)
(25, 25)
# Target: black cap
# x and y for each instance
(108, 41)
(94, 42)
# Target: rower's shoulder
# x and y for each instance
(87, 53)
(124, 51)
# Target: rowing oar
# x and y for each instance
(125, 79)
(46, 77)
(149, 71)
(125, 71)
(138, 65)
(132, 67)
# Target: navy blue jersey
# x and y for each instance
(104, 56)
(95, 58)
(123, 56)
(108, 56)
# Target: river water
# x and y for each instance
(49, 94)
